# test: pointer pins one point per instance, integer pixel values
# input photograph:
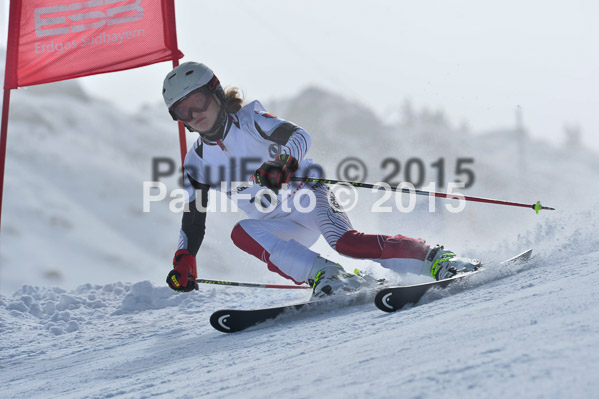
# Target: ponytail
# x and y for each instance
(234, 100)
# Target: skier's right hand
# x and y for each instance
(184, 274)
(273, 174)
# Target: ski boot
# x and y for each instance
(442, 263)
(328, 278)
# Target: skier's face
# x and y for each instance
(203, 121)
(199, 110)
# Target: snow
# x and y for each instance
(521, 331)
(85, 312)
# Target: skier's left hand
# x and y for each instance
(273, 174)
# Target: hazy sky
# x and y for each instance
(477, 60)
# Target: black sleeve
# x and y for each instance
(194, 221)
(291, 139)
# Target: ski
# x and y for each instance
(391, 299)
(235, 320)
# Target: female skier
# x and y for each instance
(278, 230)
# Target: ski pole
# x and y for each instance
(536, 207)
(253, 285)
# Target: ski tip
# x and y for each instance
(521, 257)
(525, 255)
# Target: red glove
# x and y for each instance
(183, 277)
(273, 174)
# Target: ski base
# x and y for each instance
(391, 299)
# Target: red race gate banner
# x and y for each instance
(52, 40)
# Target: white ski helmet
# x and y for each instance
(188, 77)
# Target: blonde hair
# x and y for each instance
(234, 100)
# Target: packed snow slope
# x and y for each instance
(510, 331)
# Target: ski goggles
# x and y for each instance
(196, 101)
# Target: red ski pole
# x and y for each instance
(536, 206)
